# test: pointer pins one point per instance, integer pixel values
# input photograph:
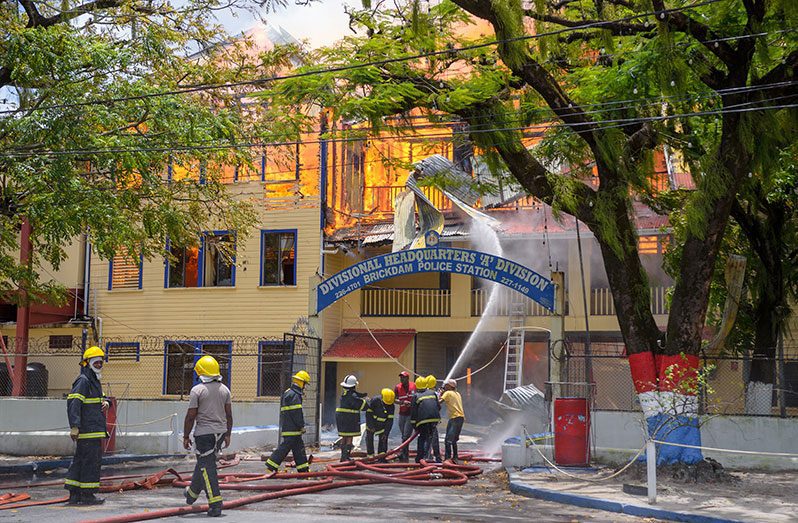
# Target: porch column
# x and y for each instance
(461, 296)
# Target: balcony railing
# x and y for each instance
(479, 302)
(406, 302)
(383, 197)
(601, 303)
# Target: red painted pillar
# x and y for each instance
(23, 316)
(110, 426)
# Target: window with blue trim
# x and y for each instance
(179, 360)
(125, 272)
(211, 264)
(278, 258)
(122, 351)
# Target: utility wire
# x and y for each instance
(597, 125)
(342, 68)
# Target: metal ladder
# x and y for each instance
(513, 365)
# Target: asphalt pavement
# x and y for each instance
(485, 498)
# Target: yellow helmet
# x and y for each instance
(421, 382)
(207, 366)
(388, 396)
(432, 381)
(302, 376)
(93, 352)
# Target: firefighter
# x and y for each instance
(379, 408)
(424, 414)
(389, 399)
(435, 443)
(86, 408)
(210, 405)
(454, 405)
(347, 415)
(404, 393)
(292, 426)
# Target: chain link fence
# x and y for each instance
(162, 367)
(723, 391)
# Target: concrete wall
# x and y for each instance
(40, 426)
(619, 435)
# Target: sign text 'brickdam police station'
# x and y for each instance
(436, 259)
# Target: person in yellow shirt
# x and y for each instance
(454, 405)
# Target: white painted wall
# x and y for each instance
(618, 436)
(31, 427)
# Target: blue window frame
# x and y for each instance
(180, 356)
(123, 351)
(278, 255)
(124, 274)
(203, 266)
(275, 362)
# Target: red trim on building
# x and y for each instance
(357, 343)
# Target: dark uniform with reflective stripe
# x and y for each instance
(85, 411)
(347, 415)
(425, 413)
(382, 446)
(292, 425)
(376, 416)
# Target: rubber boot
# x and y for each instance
(215, 510)
(345, 449)
(90, 499)
(74, 497)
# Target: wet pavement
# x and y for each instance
(485, 498)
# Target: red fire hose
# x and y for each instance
(336, 475)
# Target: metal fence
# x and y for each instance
(723, 391)
(162, 367)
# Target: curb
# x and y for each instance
(32, 467)
(517, 487)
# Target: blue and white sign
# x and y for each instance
(438, 259)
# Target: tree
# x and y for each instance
(96, 120)
(615, 79)
(763, 229)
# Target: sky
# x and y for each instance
(321, 23)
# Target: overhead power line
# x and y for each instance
(598, 125)
(342, 68)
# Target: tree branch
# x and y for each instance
(683, 23)
(71, 14)
(34, 16)
(616, 28)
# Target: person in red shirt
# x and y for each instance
(404, 391)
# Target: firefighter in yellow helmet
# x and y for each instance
(379, 420)
(292, 426)
(210, 405)
(86, 407)
(435, 443)
(425, 414)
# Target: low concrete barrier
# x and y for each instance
(619, 435)
(39, 427)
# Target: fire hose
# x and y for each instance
(335, 475)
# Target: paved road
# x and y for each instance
(483, 499)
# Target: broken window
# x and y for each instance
(183, 269)
(211, 264)
(219, 260)
(278, 258)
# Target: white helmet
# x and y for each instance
(350, 382)
(452, 383)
